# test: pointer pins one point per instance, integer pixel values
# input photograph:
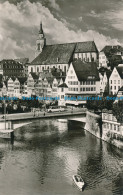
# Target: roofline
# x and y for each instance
(48, 64)
(71, 43)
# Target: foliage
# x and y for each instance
(118, 110)
(100, 104)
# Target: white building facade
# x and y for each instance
(116, 79)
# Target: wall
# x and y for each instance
(93, 124)
(63, 67)
(96, 126)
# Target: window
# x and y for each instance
(118, 81)
(86, 56)
(110, 126)
(37, 69)
(81, 83)
(114, 127)
(62, 89)
(118, 128)
(114, 81)
(88, 82)
(31, 69)
(71, 72)
(118, 87)
(114, 87)
(64, 68)
(111, 81)
(84, 82)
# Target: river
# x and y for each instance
(45, 155)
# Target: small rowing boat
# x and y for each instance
(78, 181)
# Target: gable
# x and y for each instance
(115, 74)
(71, 74)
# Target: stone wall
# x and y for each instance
(95, 127)
(93, 124)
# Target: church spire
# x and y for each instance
(41, 29)
(40, 42)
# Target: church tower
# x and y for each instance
(41, 41)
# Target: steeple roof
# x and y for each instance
(41, 29)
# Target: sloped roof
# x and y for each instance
(22, 80)
(88, 46)
(9, 62)
(6, 83)
(34, 75)
(62, 53)
(108, 73)
(103, 70)
(112, 49)
(86, 70)
(110, 52)
(120, 71)
(55, 54)
(115, 57)
(23, 61)
(13, 78)
(121, 89)
(64, 85)
(50, 80)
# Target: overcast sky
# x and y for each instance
(63, 21)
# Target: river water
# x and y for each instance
(45, 155)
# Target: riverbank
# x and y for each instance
(97, 126)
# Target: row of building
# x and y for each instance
(82, 79)
(70, 69)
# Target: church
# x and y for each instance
(60, 56)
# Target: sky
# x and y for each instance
(63, 21)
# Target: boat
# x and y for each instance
(78, 181)
(62, 120)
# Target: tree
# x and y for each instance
(118, 110)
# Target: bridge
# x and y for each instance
(14, 121)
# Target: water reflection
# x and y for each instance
(44, 155)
